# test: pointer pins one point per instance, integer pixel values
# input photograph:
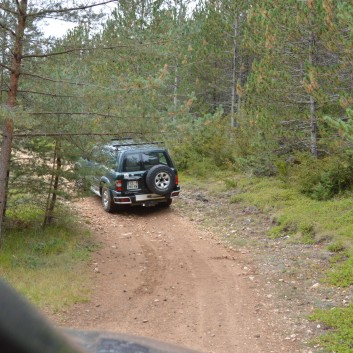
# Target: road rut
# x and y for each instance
(157, 275)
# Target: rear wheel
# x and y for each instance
(107, 200)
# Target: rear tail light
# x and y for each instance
(176, 180)
(119, 185)
(122, 200)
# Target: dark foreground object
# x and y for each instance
(24, 330)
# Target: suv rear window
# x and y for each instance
(144, 161)
(149, 159)
(132, 162)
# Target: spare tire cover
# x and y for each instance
(160, 179)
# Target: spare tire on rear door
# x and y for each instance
(160, 179)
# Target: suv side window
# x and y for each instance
(132, 162)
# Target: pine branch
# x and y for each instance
(6, 67)
(81, 113)
(84, 84)
(66, 10)
(7, 29)
(18, 5)
(2, 7)
(55, 81)
(68, 134)
(88, 49)
(98, 114)
(47, 94)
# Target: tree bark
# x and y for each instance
(4, 168)
(233, 91)
(3, 56)
(313, 126)
(54, 185)
(176, 85)
(313, 118)
(17, 54)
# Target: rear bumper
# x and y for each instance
(144, 198)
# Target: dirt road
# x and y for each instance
(156, 275)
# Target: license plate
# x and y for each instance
(132, 185)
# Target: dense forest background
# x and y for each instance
(254, 86)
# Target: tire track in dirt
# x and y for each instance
(158, 276)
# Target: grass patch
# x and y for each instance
(339, 337)
(341, 274)
(269, 194)
(46, 265)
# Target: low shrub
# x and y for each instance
(204, 149)
(324, 178)
(258, 165)
(341, 274)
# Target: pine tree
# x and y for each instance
(296, 65)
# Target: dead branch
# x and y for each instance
(73, 113)
(56, 81)
(68, 134)
(47, 94)
(88, 49)
(65, 10)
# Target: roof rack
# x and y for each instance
(121, 138)
(138, 143)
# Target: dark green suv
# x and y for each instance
(125, 172)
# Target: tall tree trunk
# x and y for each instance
(54, 185)
(313, 127)
(234, 78)
(239, 100)
(3, 56)
(313, 118)
(177, 18)
(17, 53)
(4, 168)
(176, 84)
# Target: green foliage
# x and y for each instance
(341, 274)
(283, 169)
(259, 165)
(290, 70)
(24, 215)
(344, 127)
(297, 232)
(339, 337)
(307, 233)
(324, 178)
(279, 230)
(236, 199)
(336, 247)
(231, 183)
(47, 266)
(205, 148)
